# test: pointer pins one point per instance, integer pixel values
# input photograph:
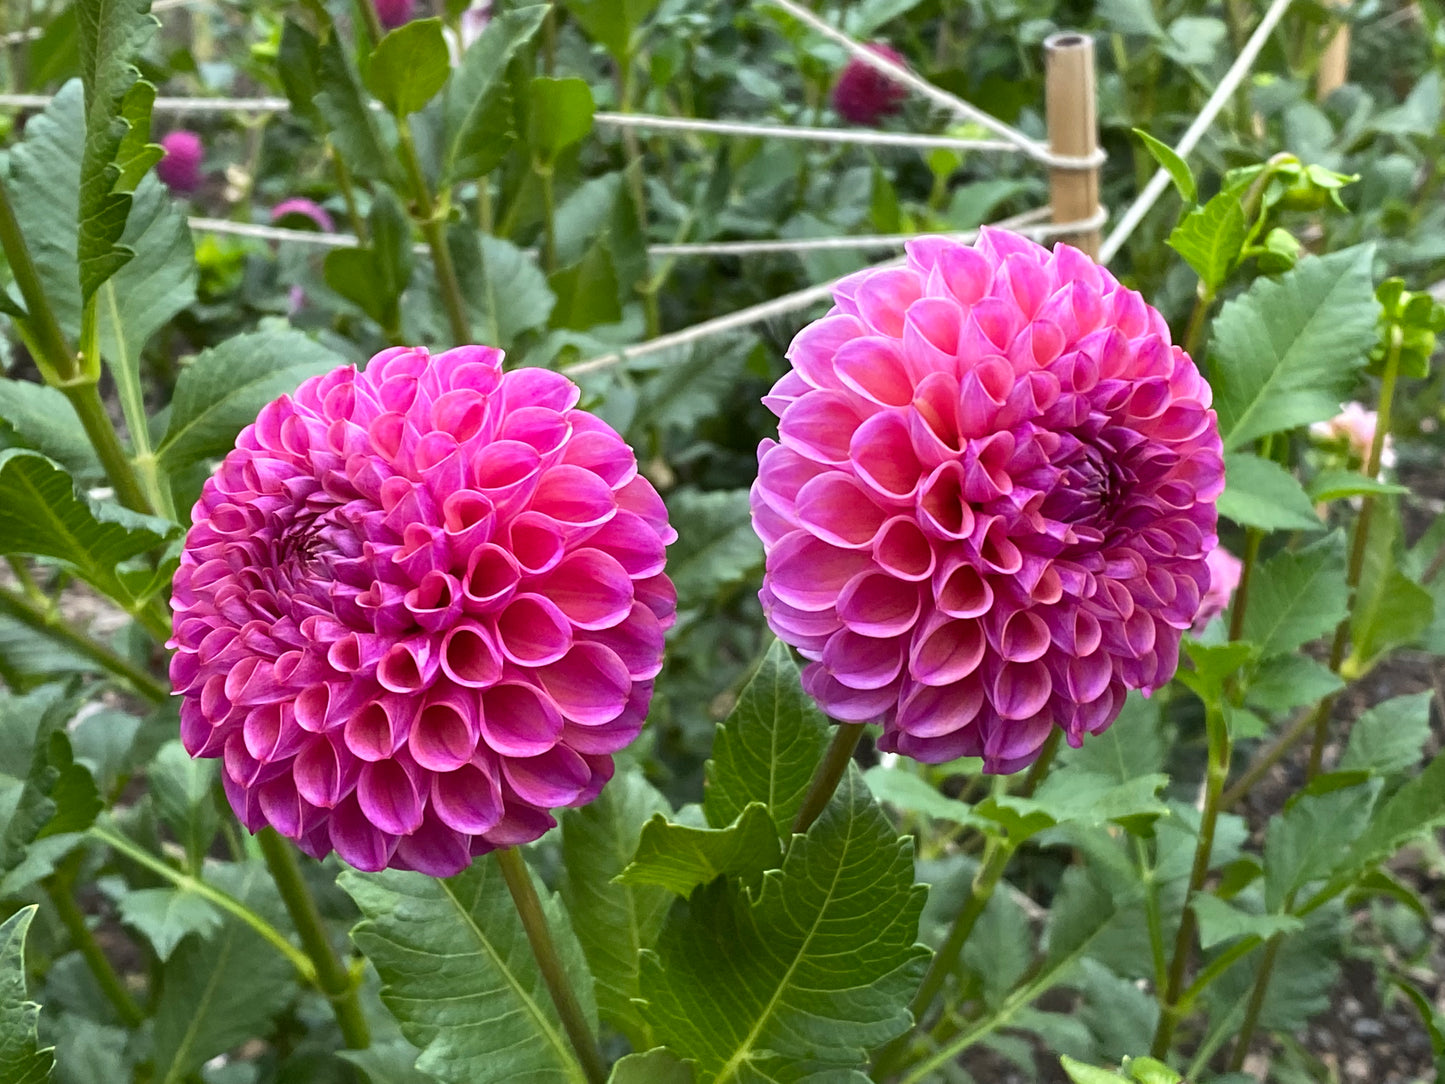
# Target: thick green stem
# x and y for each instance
(825, 779)
(1256, 1003)
(434, 230)
(1274, 754)
(1253, 536)
(1203, 302)
(49, 623)
(57, 361)
(348, 193)
(85, 398)
(332, 976)
(110, 983)
(227, 903)
(371, 28)
(1039, 769)
(534, 921)
(1169, 1005)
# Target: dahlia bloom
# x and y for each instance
(180, 166)
(863, 94)
(991, 501)
(299, 209)
(395, 13)
(1224, 572)
(1354, 428)
(419, 608)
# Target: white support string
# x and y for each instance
(1034, 148)
(1195, 132)
(812, 295)
(861, 136)
(15, 37)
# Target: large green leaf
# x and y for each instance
(117, 129)
(716, 545)
(44, 420)
(658, 1066)
(801, 980)
(1286, 351)
(221, 392)
(1415, 808)
(220, 991)
(1220, 921)
(42, 514)
(614, 922)
(1260, 493)
(375, 277)
(1309, 840)
(478, 113)
(459, 976)
(21, 1059)
(1297, 597)
(1390, 737)
(166, 916)
(560, 114)
(408, 66)
(507, 293)
(680, 857)
(1390, 609)
(768, 747)
(364, 138)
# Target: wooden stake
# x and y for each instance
(1073, 132)
(1334, 69)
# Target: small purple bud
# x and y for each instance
(394, 13)
(863, 94)
(180, 167)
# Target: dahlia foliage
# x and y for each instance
(419, 608)
(991, 502)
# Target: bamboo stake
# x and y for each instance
(1070, 96)
(1334, 69)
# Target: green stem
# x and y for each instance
(1253, 536)
(48, 622)
(348, 193)
(434, 231)
(1039, 769)
(332, 976)
(111, 984)
(85, 398)
(1153, 917)
(1256, 1003)
(534, 921)
(1274, 754)
(825, 779)
(549, 213)
(184, 881)
(638, 189)
(57, 361)
(1169, 1007)
(372, 30)
(1203, 302)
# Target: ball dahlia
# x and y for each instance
(990, 504)
(180, 166)
(394, 13)
(863, 94)
(419, 608)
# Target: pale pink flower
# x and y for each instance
(1224, 573)
(1354, 427)
(991, 501)
(419, 608)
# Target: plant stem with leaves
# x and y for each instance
(61, 890)
(48, 622)
(434, 230)
(539, 936)
(828, 774)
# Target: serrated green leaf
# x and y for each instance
(364, 138)
(1131, 747)
(1390, 609)
(409, 66)
(1210, 239)
(587, 292)
(1260, 493)
(1072, 794)
(218, 992)
(905, 791)
(1220, 922)
(1310, 839)
(375, 277)
(689, 386)
(43, 419)
(221, 392)
(21, 1059)
(478, 113)
(716, 546)
(614, 922)
(507, 293)
(182, 787)
(817, 967)
(1288, 681)
(1177, 167)
(1390, 737)
(1000, 950)
(1297, 597)
(679, 858)
(112, 34)
(767, 748)
(1336, 484)
(390, 1062)
(165, 916)
(460, 979)
(659, 1066)
(1285, 352)
(42, 514)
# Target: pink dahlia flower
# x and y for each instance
(180, 166)
(1354, 427)
(863, 94)
(989, 507)
(419, 608)
(1224, 572)
(300, 210)
(395, 13)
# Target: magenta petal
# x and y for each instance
(589, 684)
(946, 651)
(533, 631)
(839, 510)
(372, 734)
(445, 732)
(470, 656)
(468, 800)
(388, 797)
(590, 588)
(519, 720)
(357, 840)
(553, 779)
(433, 849)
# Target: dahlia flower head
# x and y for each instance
(863, 94)
(180, 166)
(1225, 570)
(991, 500)
(1354, 428)
(419, 608)
(394, 13)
